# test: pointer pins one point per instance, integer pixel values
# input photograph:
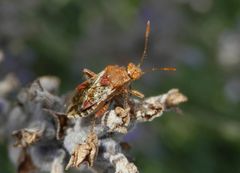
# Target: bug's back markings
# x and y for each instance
(94, 95)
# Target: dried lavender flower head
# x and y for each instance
(47, 140)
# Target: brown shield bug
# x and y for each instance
(94, 95)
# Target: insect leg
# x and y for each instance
(136, 93)
(126, 99)
(88, 73)
(100, 112)
(82, 86)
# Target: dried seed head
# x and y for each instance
(26, 137)
(174, 98)
(150, 109)
(85, 152)
(122, 164)
(61, 121)
(117, 120)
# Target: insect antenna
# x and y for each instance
(160, 69)
(164, 69)
(144, 54)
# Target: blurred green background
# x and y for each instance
(199, 37)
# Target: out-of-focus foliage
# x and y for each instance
(200, 37)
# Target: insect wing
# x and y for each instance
(76, 101)
(97, 93)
